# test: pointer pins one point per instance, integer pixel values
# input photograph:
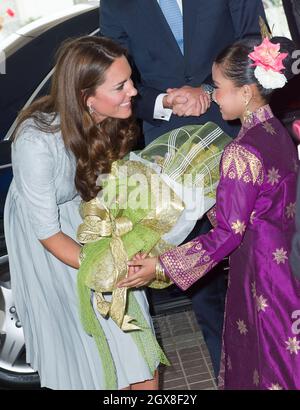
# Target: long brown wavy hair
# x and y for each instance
(80, 68)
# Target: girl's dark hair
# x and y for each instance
(237, 66)
(80, 68)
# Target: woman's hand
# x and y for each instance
(142, 276)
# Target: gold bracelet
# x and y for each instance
(81, 256)
(160, 272)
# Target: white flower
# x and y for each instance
(270, 79)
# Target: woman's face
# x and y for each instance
(113, 97)
(230, 98)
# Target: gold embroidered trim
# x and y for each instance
(187, 268)
(212, 216)
(239, 163)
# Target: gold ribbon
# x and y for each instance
(98, 224)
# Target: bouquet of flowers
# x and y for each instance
(149, 203)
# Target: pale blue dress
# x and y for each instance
(42, 201)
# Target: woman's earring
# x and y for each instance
(247, 113)
(91, 109)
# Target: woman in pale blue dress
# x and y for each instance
(61, 145)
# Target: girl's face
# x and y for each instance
(113, 97)
(231, 99)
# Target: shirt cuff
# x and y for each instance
(161, 113)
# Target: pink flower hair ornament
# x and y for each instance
(10, 12)
(269, 63)
(296, 129)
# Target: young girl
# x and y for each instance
(62, 143)
(255, 213)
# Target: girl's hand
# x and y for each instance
(144, 275)
(134, 269)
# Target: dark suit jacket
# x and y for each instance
(209, 26)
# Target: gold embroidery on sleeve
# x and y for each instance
(239, 163)
(188, 267)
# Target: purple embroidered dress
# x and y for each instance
(255, 215)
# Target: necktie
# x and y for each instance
(173, 16)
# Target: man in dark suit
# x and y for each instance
(208, 27)
(292, 11)
(165, 59)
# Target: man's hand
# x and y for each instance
(187, 101)
(170, 100)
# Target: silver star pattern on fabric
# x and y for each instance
(238, 227)
(256, 378)
(273, 176)
(242, 327)
(290, 210)
(280, 256)
(261, 303)
(293, 345)
(275, 386)
(253, 289)
(229, 364)
(269, 128)
(296, 165)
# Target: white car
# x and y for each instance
(27, 77)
